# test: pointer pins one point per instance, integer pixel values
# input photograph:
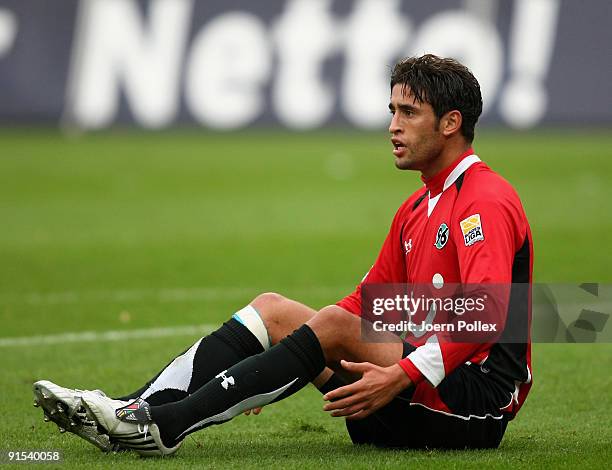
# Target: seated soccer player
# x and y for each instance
(465, 226)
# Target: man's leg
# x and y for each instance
(242, 336)
(261, 324)
(328, 337)
(224, 347)
(282, 316)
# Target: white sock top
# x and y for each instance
(250, 318)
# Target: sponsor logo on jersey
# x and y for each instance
(407, 246)
(441, 236)
(471, 228)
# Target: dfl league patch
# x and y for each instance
(471, 228)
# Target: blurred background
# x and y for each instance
(164, 161)
(180, 156)
(171, 144)
(298, 64)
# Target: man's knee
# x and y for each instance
(280, 315)
(333, 317)
(268, 301)
(335, 327)
(270, 306)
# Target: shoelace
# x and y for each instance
(143, 429)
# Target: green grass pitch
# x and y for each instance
(127, 230)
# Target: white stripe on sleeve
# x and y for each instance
(428, 359)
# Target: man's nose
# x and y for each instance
(393, 125)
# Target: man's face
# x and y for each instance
(414, 128)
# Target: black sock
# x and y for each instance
(221, 349)
(170, 395)
(332, 383)
(256, 381)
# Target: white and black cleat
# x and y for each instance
(65, 408)
(130, 426)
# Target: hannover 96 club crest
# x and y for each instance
(441, 236)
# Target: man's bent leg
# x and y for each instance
(264, 322)
(272, 375)
(339, 333)
(226, 346)
(282, 316)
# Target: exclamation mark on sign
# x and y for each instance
(524, 100)
(8, 30)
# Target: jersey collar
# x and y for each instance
(445, 178)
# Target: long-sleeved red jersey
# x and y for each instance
(465, 226)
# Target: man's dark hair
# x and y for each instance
(445, 84)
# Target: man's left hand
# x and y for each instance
(377, 387)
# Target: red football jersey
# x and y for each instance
(465, 226)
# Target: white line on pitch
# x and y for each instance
(112, 335)
(183, 294)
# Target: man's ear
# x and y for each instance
(451, 122)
